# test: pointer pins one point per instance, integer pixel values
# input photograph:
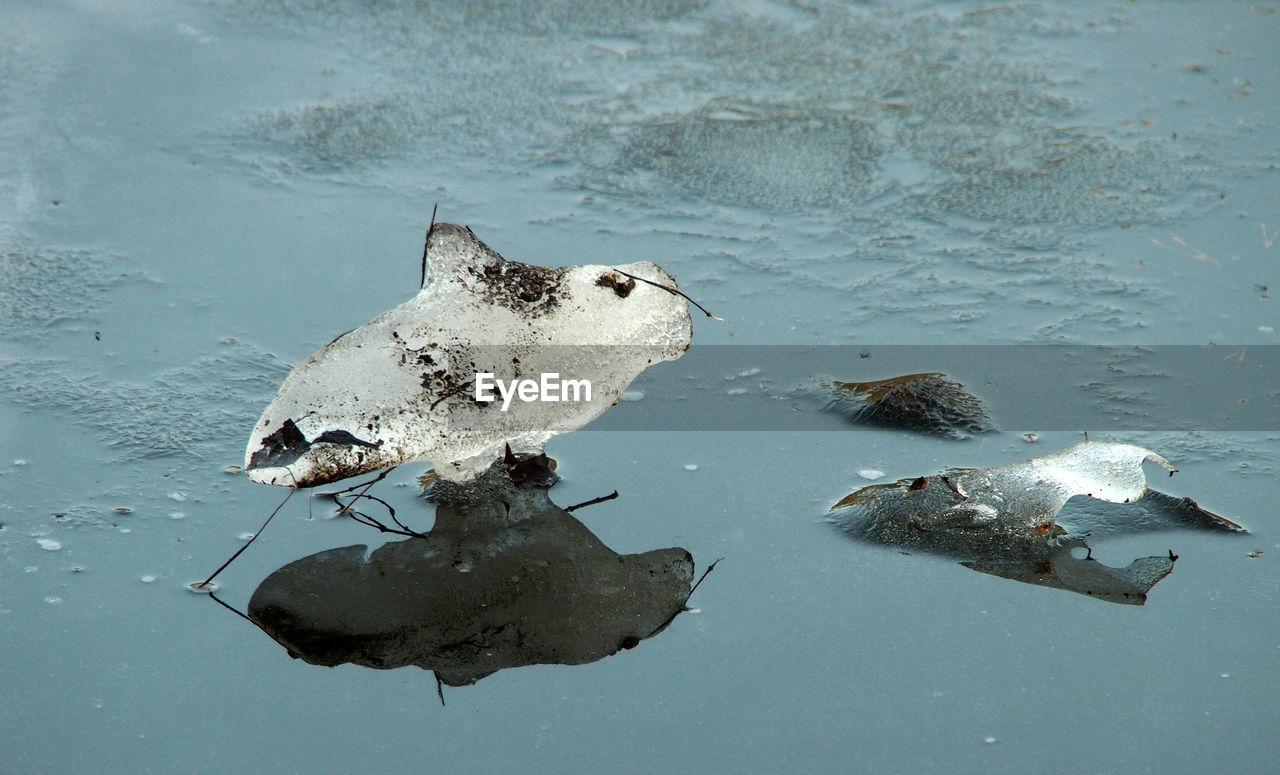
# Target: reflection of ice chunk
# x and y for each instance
(403, 386)
(505, 578)
(1128, 585)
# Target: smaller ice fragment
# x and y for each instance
(1004, 520)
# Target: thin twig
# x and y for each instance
(205, 584)
(704, 575)
(231, 608)
(669, 289)
(684, 607)
(364, 491)
(425, 242)
(381, 475)
(593, 501)
(367, 520)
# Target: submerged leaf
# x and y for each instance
(928, 402)
(403, 387)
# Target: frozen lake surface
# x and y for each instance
(197, 194)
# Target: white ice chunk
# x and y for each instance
(401, 387)
(1105, 470)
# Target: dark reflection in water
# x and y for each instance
(1009, 521)
(505, 578)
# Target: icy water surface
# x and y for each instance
(196, 195)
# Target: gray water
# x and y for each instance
(196, 195)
